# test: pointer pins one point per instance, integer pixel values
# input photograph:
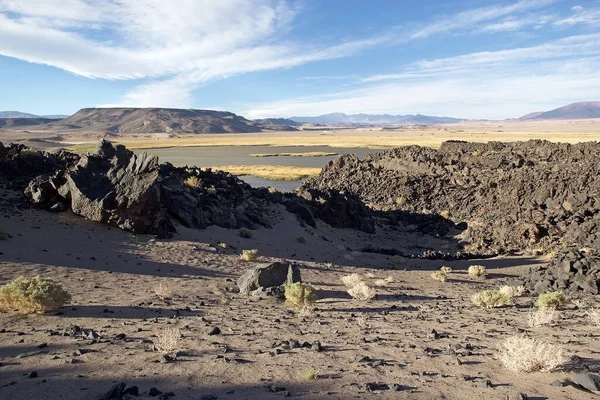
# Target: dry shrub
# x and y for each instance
(211, 190)
(3, 234)
(245, 233)
(361, 291)
(383, 282)
(193, 182)
(300, 295)
(550, 300)
(446, 269)
(272, 190)
(512, 291)
(593, 315)
(522, 354)
(167, 341)
(477, 271)
(32, 295)
(397, 260)
(490, 298)
(163, 291)
(301, 239)
(541, 316)
(351, 280)
(306, 310)
(223, 245)
(311, 375)
(249, 255)
(439, 276)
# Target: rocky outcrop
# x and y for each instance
(268, 277)
(133, 192)
(339, 210)
(20, 164)
(515, 197)
(570, 270)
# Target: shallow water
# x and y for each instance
(208, 156)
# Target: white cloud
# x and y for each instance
(580, 16)
(492, 85)
(179, 45)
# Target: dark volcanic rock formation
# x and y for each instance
(117, 187)
(533, 195)
(20, 164)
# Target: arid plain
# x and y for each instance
(419, 338)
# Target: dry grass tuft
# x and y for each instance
(490, 299)
(223, 245)
(593, 315)
(446, 269)
(249, 255)
(522, 354)
(550, 300)
(301, 239)
(311, 375)
(477, 271)
(167, 341)
(32, 295)
(351, 280)
(163, 290)
(383, 282)
(439, 276)
(397, 260)
(193, 182)
(512, 291)
(245, 233)
(300, 296)
(361, 291)
(541, 316)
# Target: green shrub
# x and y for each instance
(550, 300)
(3, 234)
(32, 295)
(490, 298)
(300, 295)
(301, 239)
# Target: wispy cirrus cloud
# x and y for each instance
(484, 84)
(178, 46)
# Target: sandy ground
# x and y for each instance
(112, 275)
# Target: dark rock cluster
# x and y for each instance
(533, 195)
(570, 271)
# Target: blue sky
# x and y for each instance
(277, 58)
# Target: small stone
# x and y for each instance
(214, 331)
(153, 392)
(486, 383)
(516, 396)
(32, 374)
(294, 344)
(316, 347)
(558, 383)
(588, 381)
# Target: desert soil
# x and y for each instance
(112, 275)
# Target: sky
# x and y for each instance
(479, 59)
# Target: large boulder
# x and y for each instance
(117, 187)
(268, 275)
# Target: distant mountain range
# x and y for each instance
(582, 110)
(119, 121)
(18, 114)
(374, 119)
